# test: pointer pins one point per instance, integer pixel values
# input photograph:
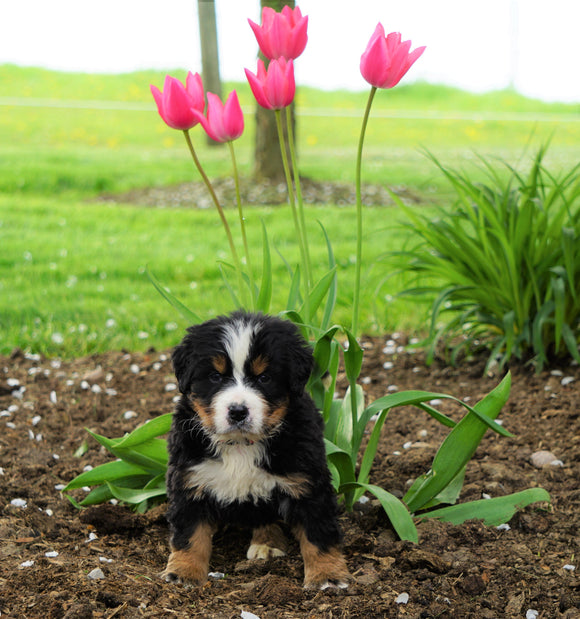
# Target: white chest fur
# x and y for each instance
(235, 475)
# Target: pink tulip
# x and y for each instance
(274, 89)
(386, 59)
(281, 35)
(223, 123)
(177, 103)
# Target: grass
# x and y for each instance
(72, 271)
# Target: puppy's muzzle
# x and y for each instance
(238, 414)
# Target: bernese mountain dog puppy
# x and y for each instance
(246, 447)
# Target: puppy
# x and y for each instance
(246, 447)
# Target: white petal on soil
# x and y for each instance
(51, 554)
(96, 574)
(503, 527)
(569, 567)
(567, 380)
(246, 615)
(542, 458)
(27, 564)
(531, 614)
(18, 503)
(402, 598)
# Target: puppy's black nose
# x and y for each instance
(237, 413)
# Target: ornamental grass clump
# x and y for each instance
(502, 264)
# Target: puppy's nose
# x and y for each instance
(237, 413)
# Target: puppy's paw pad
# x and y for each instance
(263, 551)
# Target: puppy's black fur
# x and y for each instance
(246, 447)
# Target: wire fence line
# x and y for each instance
(475, 116)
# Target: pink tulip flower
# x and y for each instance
(274, 88)
(177, 103)
(281, 35)
(386, 59)
(223, 123)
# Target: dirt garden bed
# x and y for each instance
(49, 551)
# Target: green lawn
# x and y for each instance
(72, 270)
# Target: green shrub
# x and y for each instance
(503, 264)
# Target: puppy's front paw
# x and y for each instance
(324, 569)
(333, 585)
(323, 581)
(263, 551)
(181, 570)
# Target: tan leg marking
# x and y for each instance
(321, 569)
(191, 564)
(267, 542)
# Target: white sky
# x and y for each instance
(478, 45)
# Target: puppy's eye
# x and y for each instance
(264, 379)
(215, 378)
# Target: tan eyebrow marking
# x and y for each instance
(259, 365)
(219, 363)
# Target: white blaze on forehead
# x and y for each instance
(238, 338)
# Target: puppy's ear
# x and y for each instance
(184, 360)
(300, 364)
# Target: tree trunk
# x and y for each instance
(210, 63)
(267, 155)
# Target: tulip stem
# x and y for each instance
(292, 199)
(292, 147)
(242, 222)
(359, 215)
(218, 207)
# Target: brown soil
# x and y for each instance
(264, 193)
(48, 548)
